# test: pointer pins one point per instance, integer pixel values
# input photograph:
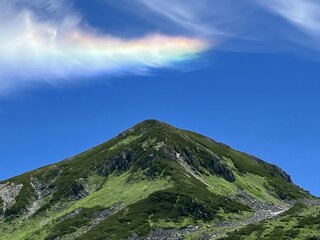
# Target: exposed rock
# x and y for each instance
(8, 193)
(164, 234)
(37, 199)
(257, 205)
(206, 236)
(120, 162)
(159, 145)
(104, 214)
(71, 214)
(263, 211)
(273, 169)
(188, 169)
(95, 219)
(208, 160)
(79, 189)
(161, 153)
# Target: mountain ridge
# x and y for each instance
(152, 177)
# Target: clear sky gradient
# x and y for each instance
(255, 90)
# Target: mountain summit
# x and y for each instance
(155, 181)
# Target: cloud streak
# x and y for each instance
(302, 13)
(247, 20)
(47, 41)
(62, 49)
(209, 18)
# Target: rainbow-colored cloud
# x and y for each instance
(32, 51)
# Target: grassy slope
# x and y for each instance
(116, 189)
(158, 193)
(150, 203)
(300, 222)
(188, 201)
(245, 164)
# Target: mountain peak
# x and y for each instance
(150, 172)
(152, 123)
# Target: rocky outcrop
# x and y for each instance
(163, 234)
(8, 193)
(199, 159)
(273, 169)
(120, 162)
(101, 216)
(79, 189)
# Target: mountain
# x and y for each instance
(155, 181)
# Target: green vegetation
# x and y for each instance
(22, 201)
(278, 180)
(188, 199)
(300, 222)
(157, 176)
(125, 141)
(117, 189)
(1, 206)
(73, 223)
(135, 218)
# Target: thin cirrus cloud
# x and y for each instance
(209, 18)
(248, 20)
(59, 49)
(304, 14)
(46, 41)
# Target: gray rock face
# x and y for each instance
(104, 214)
(79, 189)
(197, 158)
(37, 198)
(8, 193)
(164, 234)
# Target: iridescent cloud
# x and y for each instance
(34, 51)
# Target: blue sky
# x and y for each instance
(246, 74)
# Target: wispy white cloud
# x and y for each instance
(209, 18)
(46, 40)
(185, 14)
(38, 44)
(248, 20)
(304, 14)
(304, 17)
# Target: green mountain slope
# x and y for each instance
(300, 222)
(153, 180)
